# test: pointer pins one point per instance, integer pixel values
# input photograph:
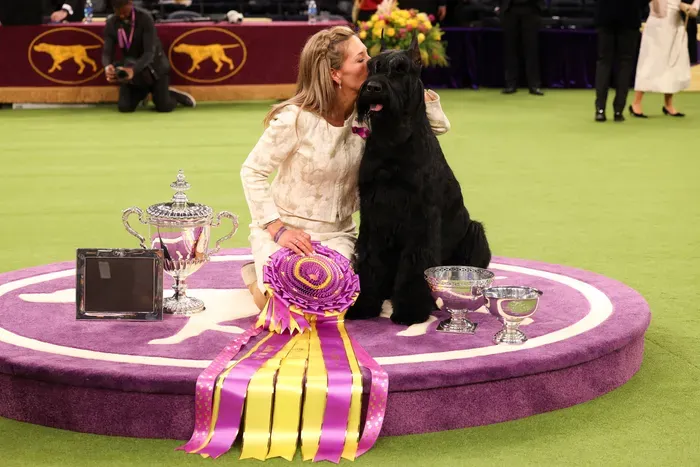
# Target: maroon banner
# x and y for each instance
(205, 54)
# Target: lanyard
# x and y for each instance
(124, 42)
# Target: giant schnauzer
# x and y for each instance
(412, 215)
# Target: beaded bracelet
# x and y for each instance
(279, 233)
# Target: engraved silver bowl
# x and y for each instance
(458, 290)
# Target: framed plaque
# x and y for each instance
(119, 284)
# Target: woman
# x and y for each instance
(311, 142)
(664, 64)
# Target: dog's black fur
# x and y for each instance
(412, 215)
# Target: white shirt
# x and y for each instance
(317, 166)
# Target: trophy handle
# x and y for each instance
(125, 220)
(216, 223)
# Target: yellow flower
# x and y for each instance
(427, 26)
(421, 38)
(391, 32)
(424, 57)
(379, 24)
(374, 18)
(363, 35)
(412, 22)
(422, 17)
(436, 36)
(376, 33)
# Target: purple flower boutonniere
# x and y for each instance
(362, 131)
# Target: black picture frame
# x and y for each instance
(119, 284)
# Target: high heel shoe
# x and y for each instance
(636, 114)
(666, 112)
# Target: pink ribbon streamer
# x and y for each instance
(204, 392)
(233, 394)
(335, 418)
(378, 393)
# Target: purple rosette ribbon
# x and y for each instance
(305, 294)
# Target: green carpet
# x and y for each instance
(549, 183)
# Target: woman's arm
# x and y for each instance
(659, 8)
(274, 146)
(437, 118)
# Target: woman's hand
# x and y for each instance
(296, 240)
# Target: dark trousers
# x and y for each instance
(615, 47)
(521, 25)
(131, 95)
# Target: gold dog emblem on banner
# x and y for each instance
(62, 55)
(199, 53)
(208, 55)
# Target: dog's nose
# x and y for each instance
(374, 86)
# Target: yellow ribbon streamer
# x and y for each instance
(315, 397)
(258, 407)
(352, 434)
(288, 392)
(217, 392)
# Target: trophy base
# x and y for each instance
(510, 337)
(182, 306)
(457, 326)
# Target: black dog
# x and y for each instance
(412, 215)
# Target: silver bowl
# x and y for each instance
(458, 290)
(511, 304)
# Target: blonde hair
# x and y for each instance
(323, 52)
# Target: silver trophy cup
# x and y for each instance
(458, 290)
(182, 231)
(511, 304)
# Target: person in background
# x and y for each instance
(664, 64)
(521, 21)
(437, 8)
(145, 67)
(618, 23)
(66, 10)
(364, 9)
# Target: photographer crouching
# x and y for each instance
(145, 67)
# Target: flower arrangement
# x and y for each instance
(398, 27)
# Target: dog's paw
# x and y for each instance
(364, 309)
(409, 314)
(408, 320)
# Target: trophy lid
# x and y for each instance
(179, 209)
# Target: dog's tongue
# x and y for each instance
(376, 107)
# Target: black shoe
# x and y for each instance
(666, 112)
(636, 114)
(600, 115)
(182, 98)
(509, 90)
(619, 117)
(536, 92)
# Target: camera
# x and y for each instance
(121, 74)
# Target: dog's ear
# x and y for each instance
(382, 42)
(414, 51)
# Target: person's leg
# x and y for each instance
(130, 97)
(627, 42)
(531, 46)
(669, 109)
(606, 52)
(636, 107)
(510, 23)
(162, 98)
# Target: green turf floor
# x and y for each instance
(549, 183)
